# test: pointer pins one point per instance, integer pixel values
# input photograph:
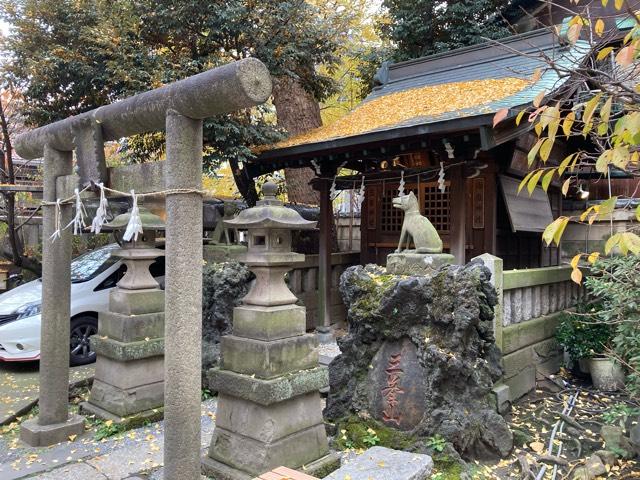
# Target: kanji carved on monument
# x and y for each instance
(392, 390)
(397, 388)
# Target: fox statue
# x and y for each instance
(416, 227)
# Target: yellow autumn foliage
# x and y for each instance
(222, 186)
(395, 108)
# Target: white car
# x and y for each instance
(93, 276)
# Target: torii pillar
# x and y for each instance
(178, 108)
(54, 424)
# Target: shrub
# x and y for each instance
(615, 284)
(581, 335)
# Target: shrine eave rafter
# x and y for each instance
(382, 143)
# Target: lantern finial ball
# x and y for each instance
(269, 190)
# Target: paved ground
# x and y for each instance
(135, 454)
(19, 386)
(122, 456)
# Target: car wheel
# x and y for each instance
(81, 352)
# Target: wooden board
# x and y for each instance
(284, 473)
(526, 213)
(477, 203)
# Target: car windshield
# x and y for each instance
(90, 264)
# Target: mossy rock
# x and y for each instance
(373, 290)
(520, 437)
(357, 430)
(447, 468)
(442, 324)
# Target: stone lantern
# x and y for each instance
(269, 411)
(129, 376)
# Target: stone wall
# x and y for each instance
(536, 292)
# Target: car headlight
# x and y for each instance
(29, 310)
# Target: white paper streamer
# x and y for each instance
(58, 220)
(441, 186)
(134, 227)
(333, 194)
(316, 167)
(101, 213)
(332, 191)
(361, 194)
(401, 186)
(78, 219)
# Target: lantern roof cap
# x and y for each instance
(270, 213)
(149, 221)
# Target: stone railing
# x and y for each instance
(303, 282)
(530, 304)
(535, 292)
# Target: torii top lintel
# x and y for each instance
(224, 89)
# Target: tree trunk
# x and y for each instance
(246, 185)
(297, 112)
(17, 249)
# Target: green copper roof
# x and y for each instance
(270, 213)
(148, 219)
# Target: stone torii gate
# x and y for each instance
(179, 109)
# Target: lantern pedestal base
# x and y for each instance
(269, 359)
(126, 402)
(129, 378)
(270, 415)
(320, 468)
(324, 335)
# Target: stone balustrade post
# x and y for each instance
(183, 299)
(495, 265)
(501, 392)
(53, 424)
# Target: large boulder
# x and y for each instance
(223, 287)
(418, 362)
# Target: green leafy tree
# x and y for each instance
(409, 29)
(423, 27)
(361, 47)
(66, 57)
(70, 56)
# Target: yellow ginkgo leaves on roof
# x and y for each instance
(394, 108)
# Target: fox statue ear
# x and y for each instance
(411, 194)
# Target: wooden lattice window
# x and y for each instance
(391, 218)
(436, 206)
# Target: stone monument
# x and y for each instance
(129, 377)
(269, 411)
(427, 255)
(419, 361)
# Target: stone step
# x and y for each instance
(381, 463)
